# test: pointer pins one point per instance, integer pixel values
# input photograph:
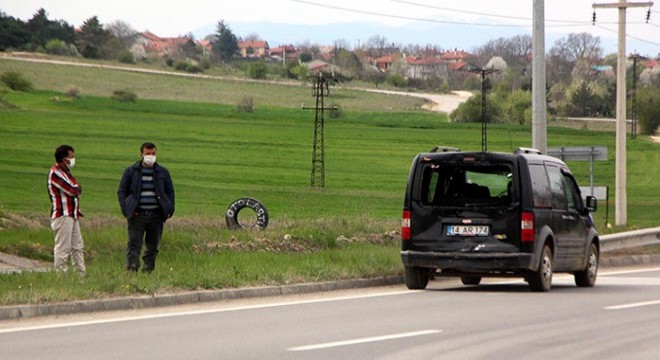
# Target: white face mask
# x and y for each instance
(72, 162)
(149, 160)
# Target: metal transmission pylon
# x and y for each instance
(320, 89)
(484, 130)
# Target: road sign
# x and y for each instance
(600, 192)
(579, 153)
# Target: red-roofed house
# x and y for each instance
(384, 63)
(253, 49)
(456, 56)
(287, 52)
(149, 43)
(206, 46)
(425, 67)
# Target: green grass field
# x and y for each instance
(216, 155)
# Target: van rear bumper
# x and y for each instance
(469, 262)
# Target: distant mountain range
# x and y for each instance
(448, 37)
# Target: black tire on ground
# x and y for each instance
(470, 280)
(587, 277)
(416, 278)
(231, 215)
(541, 279)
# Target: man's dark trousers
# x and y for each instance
(147, 226)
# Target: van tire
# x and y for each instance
(416, 278)
(470, 280)
(541, 279)
(587, 277)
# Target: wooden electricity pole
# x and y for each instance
(620, 198)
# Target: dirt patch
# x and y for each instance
(655, 139)
(17, 221)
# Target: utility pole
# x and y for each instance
(320, 90)
(620, 198)
(539, 123)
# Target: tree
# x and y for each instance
(225, 47)
(42, 29)
(649, 110)
(123, 32)
(349, 62)
(582, 100)
(13, 32)
(252, 37)
(92, 39)
(376, 46)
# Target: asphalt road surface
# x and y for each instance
(500, 319)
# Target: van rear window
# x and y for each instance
(464, 185)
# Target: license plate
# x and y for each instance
(468, 230)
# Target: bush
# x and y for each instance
(470, 111)
(15, 81)
(205, 63)
(257, 70)
(126, 57)
(397, 80)
(169, 62)
(194, 69)
(57, 47)
(124, 96)
(648, 110)
(246, 104)
(517, 107)
(181, 65)
(73, 92)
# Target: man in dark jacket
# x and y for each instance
(146, 198)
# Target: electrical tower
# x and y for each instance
(484, 129)
(320, 90)
(633, 100)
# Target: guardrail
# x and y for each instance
(630, 239)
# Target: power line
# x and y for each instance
(630, 36)
(366, 12)
(373, 13)
(480, 13)
(567, 23)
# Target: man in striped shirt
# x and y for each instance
(64, 192)
(146, 198)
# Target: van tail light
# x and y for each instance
(405, 225)
(527, 227)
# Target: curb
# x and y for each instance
(159, 300)
(13, 312)
(629, 260)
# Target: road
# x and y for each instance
(501, 319)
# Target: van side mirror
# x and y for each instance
(592, 203)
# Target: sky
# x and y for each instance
(174, 18)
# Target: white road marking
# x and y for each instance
(363, 340)
(201, 312)
(633, 305)
(623, 272)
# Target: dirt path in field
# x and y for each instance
(444, 103)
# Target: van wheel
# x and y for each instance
(416, 278)
(470, 280)
(541, 280)
(587, 277)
